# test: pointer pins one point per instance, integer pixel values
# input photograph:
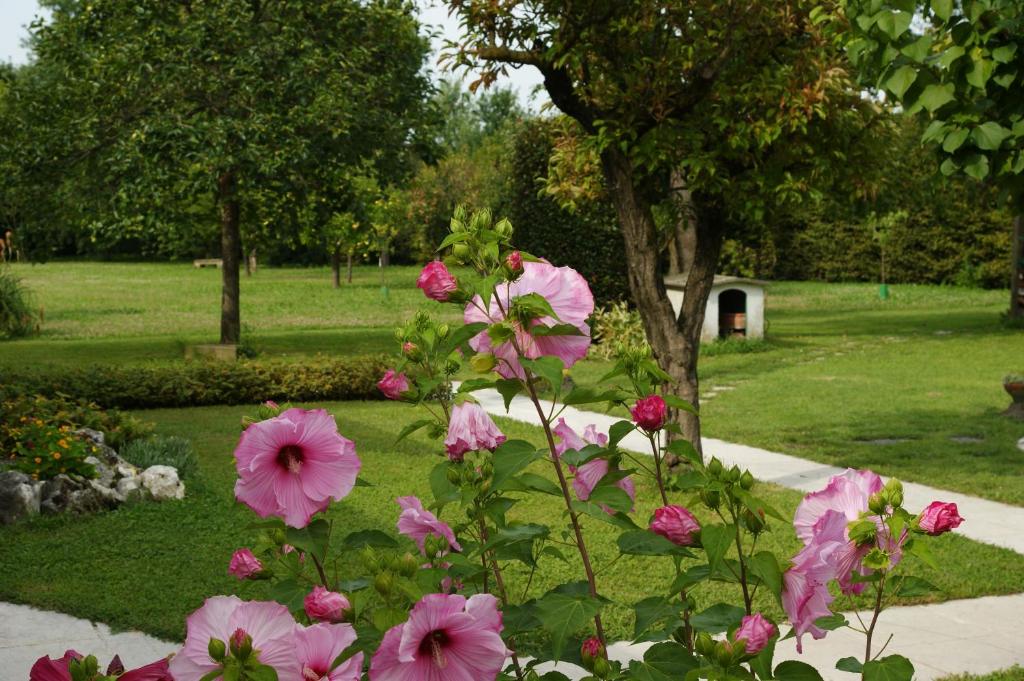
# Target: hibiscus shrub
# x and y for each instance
(201, 383)
(433, 603)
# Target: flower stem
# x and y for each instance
(747, 600)
(320, 571)
(879, 590)
(499, 583)
(573, 517)
(657, 468)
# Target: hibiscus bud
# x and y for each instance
(245, 565)
(746, 480)
(384, 583)
(705, 645)
(734, 473)
(755, 631)
(326, 606)
(715, 467)
(711, 498)
(482, 362)
(893, 491)
(393, 384)
(602, 668)
(436, 281)
(676, 524)
(216, 649)
(409, 566)
(754, 522)
(514, 261)
(442, 331)
(460, 252)
(877, 503)
(938, 518)
(591, 651)
(241, 645)
(454, 475)
(412, 351)
(724, 653)
(649, 412)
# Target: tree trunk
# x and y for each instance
(1017, 271)
(674, 340)
(336, 267)
(231, 255)
(350, 267)
(683, 241)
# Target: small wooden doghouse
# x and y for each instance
(735, 307)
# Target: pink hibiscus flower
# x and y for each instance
(269, 624)
(293, 465)
(847, 493)
(587, 476)
(447, 638)
(570, 299)
(316, 648)
(46, 669)
(417, 523)
(470, 429)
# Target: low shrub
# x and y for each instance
(20, 406)
(18, 316)
(201, 383)
(44, 450)
(165, 451)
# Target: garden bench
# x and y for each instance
(208, 262)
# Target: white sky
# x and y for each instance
(16, 15)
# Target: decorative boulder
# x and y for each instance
(162, 482)
(19, 496)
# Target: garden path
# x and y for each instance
(973, 636)
(962, 636)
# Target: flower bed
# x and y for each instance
(434, 603)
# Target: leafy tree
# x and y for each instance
(257, 106)
(726, 107)
(961, 64)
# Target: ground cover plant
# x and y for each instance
(408, 616)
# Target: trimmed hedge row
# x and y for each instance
(194, 384)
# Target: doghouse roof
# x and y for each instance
(678, 281)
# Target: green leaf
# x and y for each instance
(1004, 54)
(474, 384)
(936, 96)
(718, 618)
(668, 661)
(463, 334)
(716, 540)
(850, 664)
(618, 519)
(412, 428)
(893, 24)
(901, 80)
(981, 70)
(695, 575)
(555, 330)
(761, 664)
(312, 538)
(510, 458)
(989, 136)
(765, 566)
(831, 622)
(578, 457)
(951, 55)
(539, 483)
(685, 450)
(261, 672)
(650, 611)
(562, 613)
(943, 9)
(791, 670)
(362, 538)
(918, 50)
(912, 587)
(444, 491)
(619, 430)
(920, 549)
(977, 166)
(548, 367)
(949, 167)
(756, 505)
(509, 388)
(532, 306)
(646, 543)
(607, 493)
(680, 404)
(453, 238)
(585, 395)
(891, 668)
(289, 593)
(955, 139)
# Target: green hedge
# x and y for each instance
(587, 240)
(193, 384)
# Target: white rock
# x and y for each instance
(130, 486)
(162, 482)
(1020, 444)
(126, 470)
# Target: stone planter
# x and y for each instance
(1015, 390)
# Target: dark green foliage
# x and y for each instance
(17, 315)
(162, 450)
(588, 240)
(205, 383)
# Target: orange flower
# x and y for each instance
(62, 443)
(38, 459)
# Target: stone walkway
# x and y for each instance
(977, 636)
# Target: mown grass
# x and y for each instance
(147, 566)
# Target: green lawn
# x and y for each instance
(147, 566)
(841, 369)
